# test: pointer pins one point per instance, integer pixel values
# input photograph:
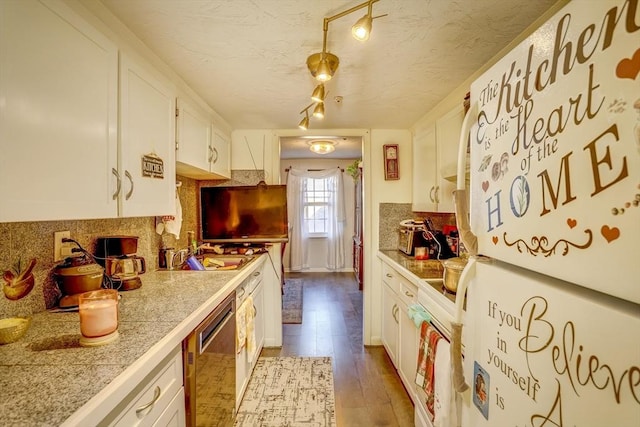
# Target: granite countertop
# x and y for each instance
(47, 377)
(426, 272)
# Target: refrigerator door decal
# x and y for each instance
(555, 150)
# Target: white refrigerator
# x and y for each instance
(551, 329)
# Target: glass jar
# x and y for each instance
(98, 316)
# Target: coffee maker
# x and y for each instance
(117, 254)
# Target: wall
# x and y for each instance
(318, 247)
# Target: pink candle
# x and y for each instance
(98, 314)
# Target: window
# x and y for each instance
(316, 206)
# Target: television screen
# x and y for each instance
(244, 214)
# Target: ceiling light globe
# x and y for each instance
(318, 112)
(322, 147)
(361, 30)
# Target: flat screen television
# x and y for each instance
(244, 214)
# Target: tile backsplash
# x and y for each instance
(392, 213)
(26, 240)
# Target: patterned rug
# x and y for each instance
(292, 301)
(289, 391)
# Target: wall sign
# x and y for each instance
(391, 169)
(152, 166)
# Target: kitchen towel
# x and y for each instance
(444, 404)
(418, 314)
(425, 375)
(241, 326)
(251, 332)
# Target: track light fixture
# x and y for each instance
(318, 93)
(304, 123)
(318, 112)
(323, 65)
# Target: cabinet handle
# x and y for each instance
(409, 294)
(212, 151)
(436, 193)
(156, 396)
(128, 175)
(241, 294)
(256, 273)
(394, 312)
(431, 194)
(389, 275)
(119, 181)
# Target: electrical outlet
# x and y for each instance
(61, 249)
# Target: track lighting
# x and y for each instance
(323, 65)
(318, 112)
(304, 123)
(318, 93)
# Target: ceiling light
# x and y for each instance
(361, 30)
(323, 65)
(318, 112)
(318, 93)
(322, 147)
(304, 123)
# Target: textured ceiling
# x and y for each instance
(247, 58)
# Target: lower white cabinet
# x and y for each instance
(390, 325)
(157, 401)
(400, 336)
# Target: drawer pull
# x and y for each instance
(409, 294)
(389, 275)
(156, 396)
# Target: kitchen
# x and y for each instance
(262, 142)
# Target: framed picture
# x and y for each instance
(391, 169)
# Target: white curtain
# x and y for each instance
(298, 232)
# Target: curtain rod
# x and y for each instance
(314, 170)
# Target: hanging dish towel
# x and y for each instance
(241, 326)
(425, 375)
(173, 224)
(445, 409)
(251, 332)
(418, 314)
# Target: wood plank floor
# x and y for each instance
(368, 390)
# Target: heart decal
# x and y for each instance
(610, 234)
(571, 222)
(628, 68)
(495, 240)
(485, 186)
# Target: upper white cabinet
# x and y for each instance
(435, 151)
(220, 153)
(58, 114)
(147, 133)
(202, 150)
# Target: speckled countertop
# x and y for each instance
(47, 377)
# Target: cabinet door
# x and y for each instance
(424, 171)
(258, 303)
(219, 152)
(390, 323)
(58, 115)
(447, 137)
(147, 118)
(272, 282)
(193, 141)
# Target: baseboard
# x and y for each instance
(321, 270)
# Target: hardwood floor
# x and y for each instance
(368, 390)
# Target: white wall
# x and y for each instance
(318, 247)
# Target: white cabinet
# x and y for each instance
(58, 114)
(256, 150)
(390, 325)
(158, 400)
(147, 130)
(220, 153)
(273, 296)
(400, 336)
(202, 150)
(435, 151)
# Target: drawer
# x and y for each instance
(408, 291)
(390, 277)
(150, 399)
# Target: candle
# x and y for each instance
(98, 313)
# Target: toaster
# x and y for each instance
(410, 236)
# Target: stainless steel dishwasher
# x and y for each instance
(210, 368)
